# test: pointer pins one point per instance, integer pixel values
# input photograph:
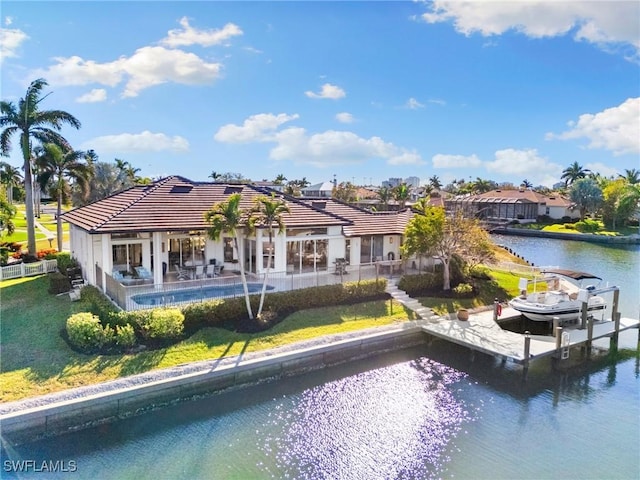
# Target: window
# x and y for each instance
(228, 249)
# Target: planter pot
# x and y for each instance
(463, 314)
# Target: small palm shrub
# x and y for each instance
(125, 336)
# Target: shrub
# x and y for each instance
(58, 283)
(415, 284)
(587, 226)
(163, 324)
(86, 333)
(125, 336)
(47, 254)
(65, 261)
(463, 290)
(100, 305)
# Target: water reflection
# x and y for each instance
(395, 422)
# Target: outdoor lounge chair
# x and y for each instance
(143, 273)
(200, 271)
(182, 274)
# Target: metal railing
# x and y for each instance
(178, 293)
(28, 269)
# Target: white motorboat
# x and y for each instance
(563, 298)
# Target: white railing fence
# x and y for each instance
(28, 269)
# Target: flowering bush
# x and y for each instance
(47, 254)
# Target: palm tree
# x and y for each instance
(573, 172)
(267, 212)
(280, 179)
(631, 176)
(526, 183)
(10, 177)
(481, 186)
(227, 217)
(57, 168)
(401, 195)
(385, 194)
(31, 123)
(434, 181)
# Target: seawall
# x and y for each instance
(84, 407)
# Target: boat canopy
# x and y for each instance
(571, 274)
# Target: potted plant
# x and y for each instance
(463, 314)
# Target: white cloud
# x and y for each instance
(455, 161)
(138, 142)
(331, 147)
(437, 101)
(147, 67)
(413, 104)
(8, 20)
(606, 24)
(10, 41)
(192, 36)
(507, 163)
(155, 65)
(95, 95)
(344, 117)
(615, 129)
(256, 128)
(602, 169)
(328, 91)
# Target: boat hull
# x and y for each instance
(565, 311)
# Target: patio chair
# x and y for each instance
(200, 271)
(210, 271)
(182, 274)
(143, 273)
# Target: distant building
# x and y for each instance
(392, 182)
(413, 182)
(319, 190)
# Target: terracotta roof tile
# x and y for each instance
(175, 203)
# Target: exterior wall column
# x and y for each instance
(158, 257)
(106, 259)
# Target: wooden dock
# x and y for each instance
(482, 334)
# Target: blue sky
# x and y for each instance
(505, 91)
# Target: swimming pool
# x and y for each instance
(195, 294)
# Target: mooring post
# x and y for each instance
(495, 309)
(557, 331)
(527, 350)
(613, 343)
(589, 334)
(583, 314)
(614, 304)
(556, 325)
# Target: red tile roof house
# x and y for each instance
(506, 205)
(161, 228)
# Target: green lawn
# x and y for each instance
(503, 287)
(35, 359)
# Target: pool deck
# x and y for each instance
(481, 333)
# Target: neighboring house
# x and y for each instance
(161, 228)
(506, 205)
(319, 190)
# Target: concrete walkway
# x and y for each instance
(412, 304)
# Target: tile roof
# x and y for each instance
(176, 203)
(363, 222)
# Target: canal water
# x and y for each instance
(425, 412)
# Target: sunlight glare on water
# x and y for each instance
(394, 422)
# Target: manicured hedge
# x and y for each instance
(160, 326)
(86, 333)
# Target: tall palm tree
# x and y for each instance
(31, 123)
(280, 179)
(227, 217)
(526, 183)
(401, 195)
(384, 195)
(574, 172)
(481, 185)
(435, 182)
(58, 168)
(267, 212)
(632, 176)
(10, 177)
